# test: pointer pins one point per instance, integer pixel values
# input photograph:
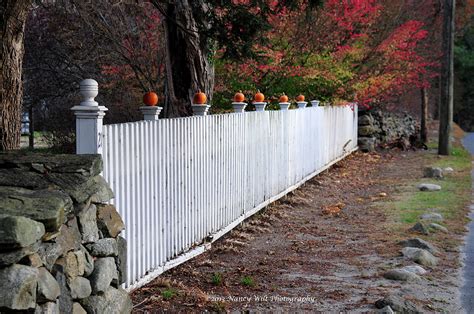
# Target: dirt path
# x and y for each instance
(305, 253)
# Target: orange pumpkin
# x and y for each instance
(259, 97)
(300, 98)
(150, 99)
(239, 97)
(283, 98)
(199, 98)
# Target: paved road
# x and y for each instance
(467, 293)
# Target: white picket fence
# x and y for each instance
(182, 183)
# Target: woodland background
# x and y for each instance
(378, 53)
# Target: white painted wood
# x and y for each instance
(180, 183)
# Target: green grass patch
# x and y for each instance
(216, 279)
(247, 281)
(168, 293)
(451, 201)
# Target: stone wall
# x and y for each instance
(381, 128)
(60, 249)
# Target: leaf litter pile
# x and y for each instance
(322, 247)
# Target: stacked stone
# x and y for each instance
(60, 249)
(382, 127)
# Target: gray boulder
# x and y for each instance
(45, 206)
(23, 179)
(19, 232)
(419, 243)
(12, 257)
(416, 269)
(103, 247)
(78, 309)
(105, 272)
(419, 228)
(102, 191)
(385, 310)
(19, 284)
(86, 165)
(88, 224)
(401, 274)
(48, 287)
(432, 216)
(65, 298)
(47, 308)
(88, 261)
(420, 256)
(121, 259)
(429, 187)
(433, 172)
(366, 144)
(80, 288)
(398, 304)
(437, 227)
(49, 253)
(111, 301)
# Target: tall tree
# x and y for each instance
(13, 14)
(196, 29)
(447, 79)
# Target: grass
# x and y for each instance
(451, 201)
(247, 281)
(216, 279)
(168, 293)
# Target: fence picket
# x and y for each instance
(177, 181)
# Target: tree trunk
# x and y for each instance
(13, 14)
(189, 65)
(31, 125)
(446, 105)
(424, 115)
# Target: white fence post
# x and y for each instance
(239, 106)
(89, 116)
(259, 106)
(284, 105)
(301, 104)
(150, 113)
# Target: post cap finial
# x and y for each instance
(89, 90)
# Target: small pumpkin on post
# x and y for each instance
(200, 108)
(150, 111)
(283, 101)
(300, 101)
(258, 101)
(238, 103)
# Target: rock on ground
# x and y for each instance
(432, 216)
(109, 221)
(88, 224)
(419, 228)
(429, 187)
(398, 304)
(401, 275)
(416, 269)
(433, 172)
(419, 243)
(420, 256)
(437, 227)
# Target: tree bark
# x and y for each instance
(446, 105)
(424, 115)
(189, 66)
(13, 14)
(31, 125)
